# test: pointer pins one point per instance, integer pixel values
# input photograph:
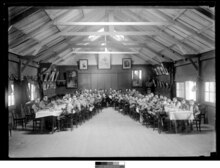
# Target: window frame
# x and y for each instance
(11, 101)
(181, 89)
(140, 78)
(209, 102)
(32, 89)
(195, 91)
(184, 82)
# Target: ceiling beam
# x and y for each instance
(41, 28)
(144, 46)
(206, 28)
(50, 49)
(150, 58)
(92, 15)
(105, 52)
(134, 33)
(194, 64)
(21, 16)
(206, 13)
(111, 19)
(160, 32)
(109, 44)
(111, 23)
(183, 26)
(180, 14)
(38, 47)
(151, 5)
(165, 35)
(141, 57)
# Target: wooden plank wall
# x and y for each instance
(94, 78)
(188, 72)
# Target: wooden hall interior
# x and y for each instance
(111, 81)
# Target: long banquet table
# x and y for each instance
(176, 114)
(51, 112)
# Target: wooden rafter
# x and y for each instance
(104, 52)
(206, 13)
(108, 45)
(22, 15)
(180, 14)
(111, 23)
(93, 14)
(194, 64)
(39, 29)
(193, 32)
(128, 33)
(160, 32)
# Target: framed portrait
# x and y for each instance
(83, 64)
(104, 61)
(126, 63)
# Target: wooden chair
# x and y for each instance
(36, 121)
(157, 122)
(37, 124)
(68, 120)
(148, 118)
(126, 108)
(29, 114)
(203, 113)
(19, 118)
(10, 122)
(197, 122)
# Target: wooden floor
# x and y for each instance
(110, 134)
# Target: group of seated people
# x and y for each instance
(88, 99)
(153, 104)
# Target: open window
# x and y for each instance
(210, 92)
(180, 89)
(11, 95)
(32, 90)
(137, 78)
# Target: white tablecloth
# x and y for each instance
(178, 114)
(50, 112)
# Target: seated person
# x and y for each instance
(176, 103)
(193, 107)
(35, 105)
(69, 106)
(43, 103)
(184, 106)
(76, 104)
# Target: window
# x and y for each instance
(180, 89)
(32, 90)
(190, 90)
(186, 90)
(137, 77)
(11, 96)
(210, 92)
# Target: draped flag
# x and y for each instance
(162, 70)
(158, 69)
(155, 69)
(166, 71)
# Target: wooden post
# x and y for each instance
(172, 81)
(19, 69)
(199, 82)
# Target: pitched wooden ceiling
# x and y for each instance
(53, 34)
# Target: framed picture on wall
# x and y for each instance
(83, 64)
(126, 63)
(104, 61)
